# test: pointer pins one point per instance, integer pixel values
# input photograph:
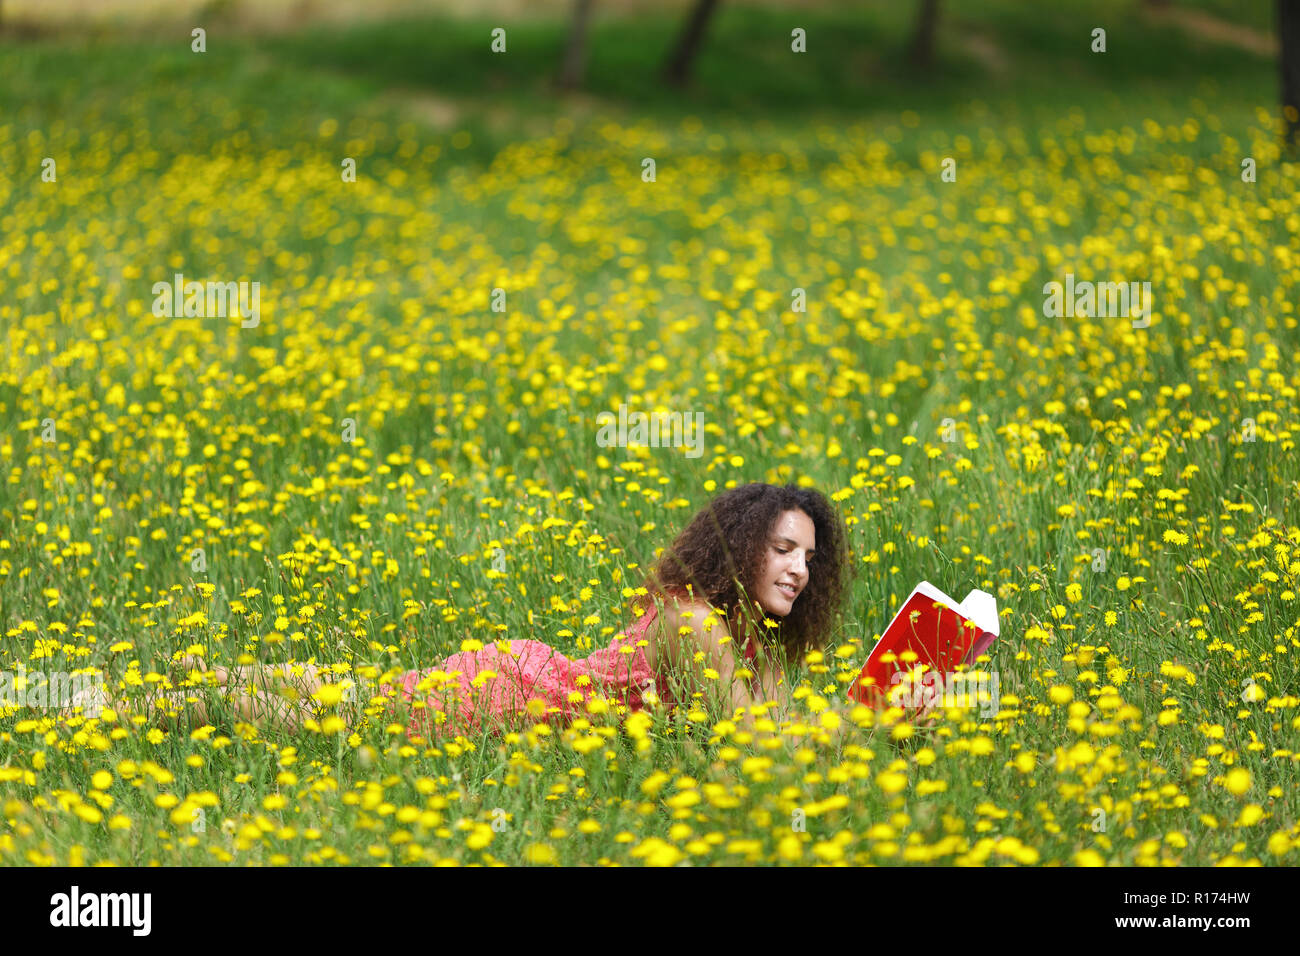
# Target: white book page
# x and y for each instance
(932, 592)
(982, 608)
(979, 606)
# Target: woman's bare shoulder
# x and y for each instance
(681, 612)
(674, 613)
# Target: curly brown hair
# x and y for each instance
(719, 555)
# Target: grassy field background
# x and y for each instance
(1129, 494)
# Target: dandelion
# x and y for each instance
(540, 853)
(890, 782)
(790, 849)
(1238, 781)
(1251, 814)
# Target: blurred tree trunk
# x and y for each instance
(678, 68)
(921, 52)
(575, 51)
(1288, 30)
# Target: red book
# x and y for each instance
(942, 634)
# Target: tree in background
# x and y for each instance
(1288, 29)
(921, 51)
(677, 69)
(575, 50)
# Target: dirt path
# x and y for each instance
(1210, 27)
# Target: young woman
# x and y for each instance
(752, 583)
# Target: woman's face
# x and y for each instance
(784, 574)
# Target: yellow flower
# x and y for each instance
(540, 853)
(789, 848)
(652, 784)
(687, 798)
(1237, 781)
(1251, 814)
(185, 813)
(329, 694)
(828, 851)
(657, 852)
(891, 782)
(332, 724)
(638, 724)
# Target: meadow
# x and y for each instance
(185, 485)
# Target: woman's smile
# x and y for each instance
(791, 546)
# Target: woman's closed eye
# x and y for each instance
(808, 558)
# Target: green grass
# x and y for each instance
(821, 173)
(746, 73)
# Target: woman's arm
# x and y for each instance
(694, 645)
(771, 686)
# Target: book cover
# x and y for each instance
(933, 632)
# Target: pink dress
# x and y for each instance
(533, 670)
